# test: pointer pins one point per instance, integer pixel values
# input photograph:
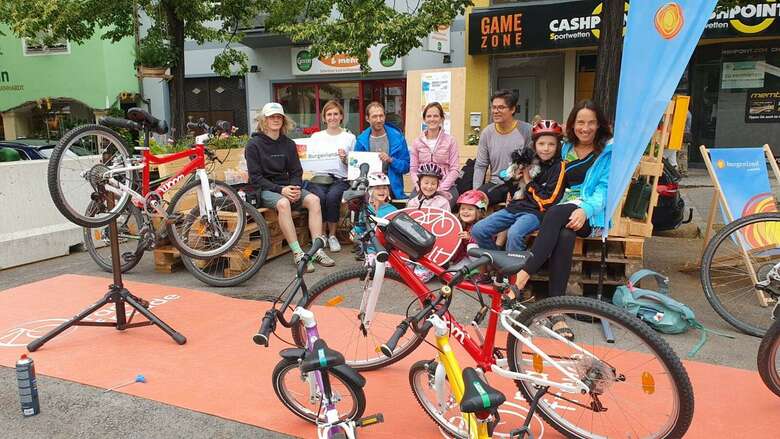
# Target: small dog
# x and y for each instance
(521, 158)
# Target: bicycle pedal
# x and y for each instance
(521, 433)
(370, 420)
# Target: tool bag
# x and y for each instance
(638, 199)
(409, 236)
(658, 310)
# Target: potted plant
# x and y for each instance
(153, 57)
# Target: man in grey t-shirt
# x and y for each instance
(380, 144)
(496, 144)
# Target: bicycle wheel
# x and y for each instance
(748, 245)
(336, 300)
(638, 386)
(76, 171)
(131, 247)
(193, 233)
(446, 414)
(241, 262)
(293, 390)
(769, 358)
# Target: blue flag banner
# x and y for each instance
(660, 38)
(743, 179)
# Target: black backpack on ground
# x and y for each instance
(466, 179)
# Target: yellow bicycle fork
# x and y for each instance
(476, 429)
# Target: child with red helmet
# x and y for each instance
(523, 216)
(472, 207)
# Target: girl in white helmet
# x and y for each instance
(378, 203)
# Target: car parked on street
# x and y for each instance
(34, 149)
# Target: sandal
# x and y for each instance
(560, 326)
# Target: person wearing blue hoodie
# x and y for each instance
(587, 154)
(390, 143)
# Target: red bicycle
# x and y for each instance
(633, 385)
(204, 219)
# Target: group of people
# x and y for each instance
(552, 178)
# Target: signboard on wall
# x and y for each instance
(437, 87)
(439, 40)
(303, 63)
(569, 24)
(763, 106)
(741, 74)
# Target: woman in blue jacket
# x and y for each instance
(588, 154)
(389, 143)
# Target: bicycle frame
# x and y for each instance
(448, 365)
(317, 383)
(481, 352)
(197, 165)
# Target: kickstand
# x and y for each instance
(525, 431)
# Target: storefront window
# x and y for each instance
(735, 97)
(300, 104)
(303, 103)
(348, 95)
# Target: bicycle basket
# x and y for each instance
(407, 235)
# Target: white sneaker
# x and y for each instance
(334, 244)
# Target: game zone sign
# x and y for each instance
(443, 224)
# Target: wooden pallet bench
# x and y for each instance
(167, 258)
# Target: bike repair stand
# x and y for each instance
(118, 295)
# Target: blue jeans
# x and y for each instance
(519, 225)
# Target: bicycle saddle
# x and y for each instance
(143, 117)
(478, 397)
(322, 357)
(505, 263)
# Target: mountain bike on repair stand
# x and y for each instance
(204, 219)
(314, 382)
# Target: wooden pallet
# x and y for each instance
(624, 257)
(166, 259)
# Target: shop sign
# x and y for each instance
(741, 74)
(439, 40)
(763, 106)
(570, 24)
(303, 63)
(5, 83)
(752, 19)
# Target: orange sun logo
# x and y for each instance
(669, 20)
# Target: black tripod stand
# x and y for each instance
(118, 295)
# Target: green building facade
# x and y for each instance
(46, 90)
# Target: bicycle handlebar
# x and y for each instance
(117, 122)
(445, 296)
(266, 326)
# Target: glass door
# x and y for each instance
(390, 93)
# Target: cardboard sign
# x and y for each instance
(357, 158)
(317, 156)
(743, 179)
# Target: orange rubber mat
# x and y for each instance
(220, 371)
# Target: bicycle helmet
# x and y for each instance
(378, 179)
(430, 169)
(547, 127)
(474, 197)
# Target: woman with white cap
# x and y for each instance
(275, 171)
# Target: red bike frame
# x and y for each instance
(481, 353)
(197, 163)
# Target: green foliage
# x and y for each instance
(330, 26)
(154, 52)
(473, 138)
(230, 142)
